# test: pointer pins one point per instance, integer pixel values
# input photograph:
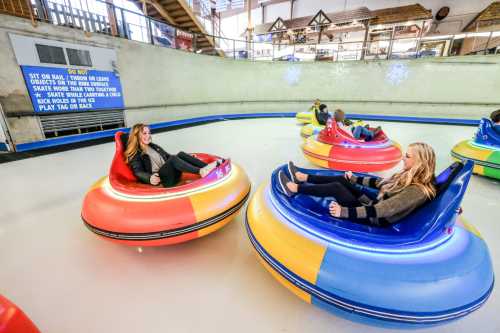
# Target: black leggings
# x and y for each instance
(175, 165)
(339, 187)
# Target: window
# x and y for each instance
(79, 57)
(50, 54)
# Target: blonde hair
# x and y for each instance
(420, 174)
(134, 142)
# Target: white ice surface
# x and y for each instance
(70, 281)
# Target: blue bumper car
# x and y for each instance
(429, 268)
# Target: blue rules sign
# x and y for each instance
(55, 89)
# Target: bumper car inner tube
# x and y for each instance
(121, 209)
(335, 149)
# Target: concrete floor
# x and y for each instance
(70, 281)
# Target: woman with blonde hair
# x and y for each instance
(153, 165)
(398, 195)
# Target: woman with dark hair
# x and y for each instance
(153, 165)
(321, 114)
(357, 131)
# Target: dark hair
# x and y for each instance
(339, 115)
(322, 107)
(495, 116)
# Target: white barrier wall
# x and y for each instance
(161, 84)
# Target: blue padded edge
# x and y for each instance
(423, 120)
(67, 140)
(3, 147)
(110, 133)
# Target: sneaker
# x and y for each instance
(283, 180)
(207, 169)
(292, 171)
(204, 171)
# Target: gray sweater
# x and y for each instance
(391, 207)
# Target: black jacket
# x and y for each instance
(321, 116)
(141, 163)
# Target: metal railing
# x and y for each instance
(77, 18)
(112, 20)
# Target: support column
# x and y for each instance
(363, 48)
(112, 17)
(417, 44)
(487, 43)
(320, 34)
(391, 42)
(213, 23)
(249, 27)
(452, 41)
(475, 37)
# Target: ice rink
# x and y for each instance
(70, 281)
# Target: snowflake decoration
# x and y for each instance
(292, 75)
(397, 73)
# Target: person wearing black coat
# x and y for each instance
(322, 114)
(153, 165)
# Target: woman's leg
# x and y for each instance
(356, 133)
(343, 194)
(360, 130)
(183, 166)
(317, 179)
(367, 133)
(169, 175)
(191, 159)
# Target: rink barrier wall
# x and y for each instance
(171, 125)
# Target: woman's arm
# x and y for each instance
(406, 200)
(138, 169)
(373, 182)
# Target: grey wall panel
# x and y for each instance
(26, 53)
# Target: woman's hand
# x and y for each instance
(154, 179)
(335, 209)
(348, 175)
